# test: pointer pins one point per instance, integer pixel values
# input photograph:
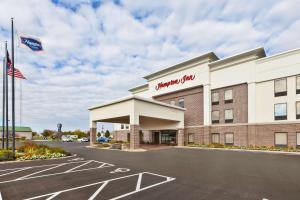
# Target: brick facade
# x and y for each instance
(134, 136)
(193, 102)
(93, 135)
(239, 103)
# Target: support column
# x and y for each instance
(93, 133)
(180, 137)
(206, 135)
(134, 136)
(206, 104)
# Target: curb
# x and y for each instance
(20, 161)
(242, 150)
(127, 150)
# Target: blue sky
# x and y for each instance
(96, 50)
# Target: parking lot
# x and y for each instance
(160, 174)
(74, 178)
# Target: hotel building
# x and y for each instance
(246, 99)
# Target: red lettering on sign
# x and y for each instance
(182, 80)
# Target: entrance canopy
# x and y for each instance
(134, 110)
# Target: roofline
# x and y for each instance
(278, 55)
(257, 52)
(134, 97)
(139, 87)
(211, 56)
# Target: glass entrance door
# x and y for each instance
(168, 137)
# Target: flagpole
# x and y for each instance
(3, 102)
(13, 85)
(21, 102)
(6, 95)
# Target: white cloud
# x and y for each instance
(94, 55)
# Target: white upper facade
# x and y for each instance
(251, 67)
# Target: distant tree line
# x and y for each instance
(50, 133)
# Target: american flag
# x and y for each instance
(18, 73)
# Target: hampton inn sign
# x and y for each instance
(182, 80)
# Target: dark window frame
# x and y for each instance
(281, 145)
(297, 145)
(283, 93)
(297, 115)
(212, 138)
(228, 100)
(297, 89)
(226, 143)
(281, 117)
(228, 120)
(215, 102)
(215, 121)
(189, 138)
(179, 102)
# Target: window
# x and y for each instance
(181, 103)
(191, 138)
(122, 126)
(298, 139)
(172, 102)
(215, 116)
(280, 112)
(215, 138)
(298, 110)
(228, 96)
(280, 87)
(127, 127)
(228, 116)
(229, 138)
(298, 84)
(280, 139)
(215, 98)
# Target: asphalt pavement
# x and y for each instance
(161, 174)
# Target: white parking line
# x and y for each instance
(104, 183)
(103, 165)
(0, 196)
(79, 166)
(23, 177)
(15, 171)
(99, 190)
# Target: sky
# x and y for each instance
(96, 50)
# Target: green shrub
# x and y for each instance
(6, 155)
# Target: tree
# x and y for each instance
(47, 133)
(98, 134)
(107, 133)
(34, 133)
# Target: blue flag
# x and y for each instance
(31, 43)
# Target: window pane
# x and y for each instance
(228, 94)
(229, 114)
(215, 115)
(298, 139)
(215, 138)
(280, 85)
(181, 103)
(122, 126)
(229, 138)
(280, 109)
(172, 103)
(298, 82)
(215, 97)
(191, 137)
(280, 139)
(298, 107)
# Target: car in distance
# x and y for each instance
(103, 139)
(83, 139)
(66, 139)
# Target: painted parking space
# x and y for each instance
(83, 179)
(36, 171)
